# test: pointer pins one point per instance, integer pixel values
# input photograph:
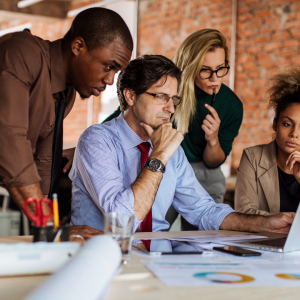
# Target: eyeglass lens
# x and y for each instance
(207, 73)
(165, 99)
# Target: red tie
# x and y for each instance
(146, 225)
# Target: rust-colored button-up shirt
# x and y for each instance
(31, 75)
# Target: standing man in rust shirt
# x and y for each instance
(36, 77)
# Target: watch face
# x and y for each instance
(154, 164)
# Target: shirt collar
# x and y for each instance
(57, 72)
(128, 137)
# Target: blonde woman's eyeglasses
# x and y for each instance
(207, 73)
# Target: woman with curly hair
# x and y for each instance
(268, 178)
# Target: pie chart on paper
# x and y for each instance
(289, 276)
(224, 277)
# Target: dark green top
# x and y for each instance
(230, 110)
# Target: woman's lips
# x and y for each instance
(291, 144)
(213, 86)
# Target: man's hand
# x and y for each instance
(20, 194)
(211, 125)
(293, 162)
(69, 155)
(165, 141)
(84, 230)
(280, 223)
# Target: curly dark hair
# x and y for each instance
(285, 90)
(142, 72)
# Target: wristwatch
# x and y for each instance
(155, 165)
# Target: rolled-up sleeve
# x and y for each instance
(18, 71)
(96, 168)
(193, 202)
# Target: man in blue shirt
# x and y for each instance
(108, 171)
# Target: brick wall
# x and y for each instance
(267, 40)
(268, 34)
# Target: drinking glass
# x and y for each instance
(120, 227)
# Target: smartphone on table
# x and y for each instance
(237, 251)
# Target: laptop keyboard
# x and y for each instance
(274, 243)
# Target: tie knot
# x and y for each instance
(144, 147)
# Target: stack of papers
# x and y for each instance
(218, 238)
(207, 242)
(210, 241)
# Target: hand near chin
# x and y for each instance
(211, 125)
(165, 140)
(280, 223)
(293, 162)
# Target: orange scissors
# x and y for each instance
(39, 219)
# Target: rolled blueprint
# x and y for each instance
(86, 276)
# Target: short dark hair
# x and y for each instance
(285, 91)
(142, 72)
(99, 27)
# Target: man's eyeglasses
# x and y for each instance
(207, 73)
(163, 98)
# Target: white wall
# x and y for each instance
(109, 100)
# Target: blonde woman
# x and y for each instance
(268, 179)
(208, 131)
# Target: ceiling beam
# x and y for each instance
(6, 16)
(15, 28)
(25, 3)
(50, 8)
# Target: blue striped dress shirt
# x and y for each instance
(107, 162)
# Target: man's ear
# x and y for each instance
(78, 45)
(274, 126)
(129, 96)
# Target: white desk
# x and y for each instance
(137, 283)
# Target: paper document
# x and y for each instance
(219, 238)
(212, 272)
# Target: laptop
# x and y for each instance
(277, 242)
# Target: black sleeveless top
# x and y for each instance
(289, 192)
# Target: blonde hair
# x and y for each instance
(189, 58)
